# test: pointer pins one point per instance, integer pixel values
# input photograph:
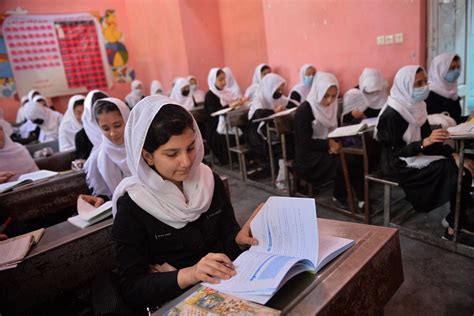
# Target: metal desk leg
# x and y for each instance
(227, 127)
(347, 182)
(457, 210)
(285, 159)
(270, 154)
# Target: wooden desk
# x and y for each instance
(360, 281)
(65, 258)
(60, 161)
(46, 197)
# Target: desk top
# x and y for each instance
(360, 280)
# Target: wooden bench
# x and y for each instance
(60, 161)
(32, 148)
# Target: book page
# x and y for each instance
(222, 111)
(466, 128)
(87, 211)
(37, 234)
(287, 226)
(4, 187)
(15, 249)
(347, 130)
(38, 175)
(330, 247)
(370, 122)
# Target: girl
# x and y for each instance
(181, 93)
(173, 212)
(354, 103)
(404, 132)
(71, 123)
(42, 100)
(196, 93)
(156, 88)
(300, 91)
(317, 157)
(135, 95)
(20, 117)
(444, 72)
(107, 165)
(47, 119)
(33, 93)
(261, 71)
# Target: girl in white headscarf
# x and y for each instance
(47, 119)
(42, 100)
(20, 117)
(71, 123)
(32, 93)
(231, 85)
(173, 213)
(354, 102)
(181, 93)
(196, 93)
(107, 165)
(261, 71)
(156, 88)
(443, 74)
(300, 91)
(404, 132)
(15, 159)
(135, 95)
(374, 89)
(317, 157)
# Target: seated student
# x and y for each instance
(42, 100)
(90, 135)
(317, 157)
(261, 71)
(217, 98)
(107, 164)
(300, 91)
(173, 215)
(20, 117)
(181, 93)
(135, 95)
(15, 159)
(444, 72)
(71, 123)
(403, 131)
(232, 86)
(47, 119)
(373, 87)
(353, 104)
(32, 93)
(156, 88)
(196, 93)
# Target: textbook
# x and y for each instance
(206, 301)
(463, 129)
(27, 178)
(14, 250)
(88, 214)
(349, 130)
(289, 244)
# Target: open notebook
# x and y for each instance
(88, 214)
(463, 129)
(349, 130)
(27, 178)
(14, 250)
(289, 244)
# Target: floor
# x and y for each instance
(437, 281)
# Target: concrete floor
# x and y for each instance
(437, 281)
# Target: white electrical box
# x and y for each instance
(381, 40)
(389, 39)
(399, 38)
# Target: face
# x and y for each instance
(311, 71)
(174, 159)
(78, 109)
(421, 80)
(192, 81)
(329, 97)
(265, 72)
(138, 87)
(185, 90)
(220, 81)
(455, 65)
(112, 126)
(2, 138)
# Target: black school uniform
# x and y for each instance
(216, 141)
(143, 240)
(436, 103)
(348, 119)
(83, 145)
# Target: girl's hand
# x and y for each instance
(211, 268)
(244, 238)
(5, 176)
(334, 147)
(92, 200)
(358, 115)
(436, 136)
(165, 267)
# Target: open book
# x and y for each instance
(89, 214)
(463, 129)
(289, 244)
(349, 130)
(14, 250)
(27, 178)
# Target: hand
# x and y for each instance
(3, 237)
(279, 108)
(234, 104)
(211, 268)
(5, 176)
(92, 200)
(334, 147)
(165, 267)
(436, 136)
(244, 238)
(358, 115)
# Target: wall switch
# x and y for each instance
(399, 38)
(381, 40)
(389, 39)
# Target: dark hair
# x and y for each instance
(97, 96)
(104, 106)
(77, 103)
(456, 58)
(419, 70)
(172, 120)
(219, 72)
(265, 68)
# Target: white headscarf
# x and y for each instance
(257, 77)
(186, 102)
(20, 117)
(14, 156)
(232, 84)
(400, 100)
(438, 70)
(354, 100)
(300, 87)
(325, 118)
(88, 120)
(155, 87)
(225, 95)
(69, 125)
(39, 98)
(31, 94)
(107, 166)
(263, 98)
(195, 92)
(136, 94)
(161, 198)
(373, 86)
(51, 120)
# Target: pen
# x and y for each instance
(5, 225)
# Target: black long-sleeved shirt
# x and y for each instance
(143, 240)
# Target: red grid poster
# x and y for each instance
(56, 54)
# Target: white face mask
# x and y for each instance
(193, 87)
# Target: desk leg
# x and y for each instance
(457, 210)
(270, 154)
(285, 161)
(347, 182)
(228, 143)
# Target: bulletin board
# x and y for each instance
(56, 54)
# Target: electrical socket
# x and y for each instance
(399, 38)
(388, 39)
(381, 40)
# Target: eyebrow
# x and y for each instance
(177, 149)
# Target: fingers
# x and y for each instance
(98, 201)
(213, 267)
